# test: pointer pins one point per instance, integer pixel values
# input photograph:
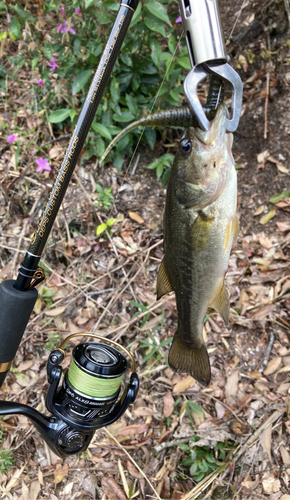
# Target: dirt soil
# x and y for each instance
(94, 284)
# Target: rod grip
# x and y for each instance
(15, 310)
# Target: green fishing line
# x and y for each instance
(90, 385)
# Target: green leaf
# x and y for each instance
(123, 117)
(172, 44)
(159, 170)
(110, 222)
(150, 134)
(88, 3)
(59, 115)
(3, 35)
(184, 62)
(81, 80)
(265, 218)
(279, 197)
(132, 104)
(72, 114)
(100, 229)
(15, 27)
(158, 10)
(114, 90)
(136, 16)
(154, 24)
(103, 130)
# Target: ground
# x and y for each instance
(94, 284)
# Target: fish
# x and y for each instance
(200, 227)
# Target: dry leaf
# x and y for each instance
(136, 217)
(34, 490)
(143, 411)
(220, 410)
(123, 477)
(270, 484)
(25, 365)
(266, 440)
(273, 365)
(55, 312)
(183, 384)
(260, 210)
(261, 157)
(265, 218)
(133, 471)
(231, 387)
(168, 402)
(285, 455)
(60, 472)
(112, 489)
(132, 429)
(282, 169)
(285, 497)
(251, 485)
(283, 226)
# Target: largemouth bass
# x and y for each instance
(200, 227)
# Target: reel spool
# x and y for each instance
(88, 398)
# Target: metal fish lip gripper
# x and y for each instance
(207, 52)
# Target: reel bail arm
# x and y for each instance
(207, 53)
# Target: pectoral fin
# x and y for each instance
(222, 304)
(163, 283)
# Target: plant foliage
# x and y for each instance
(61, 44)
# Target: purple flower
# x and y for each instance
(11, 138)
(42, 165)
(59, 28)
(53, 64)
(7, 116)
(67, 27)
(63, 11)
(40, 81)
(179, 19)
(78, 12)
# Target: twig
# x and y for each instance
(170, 444)
(226, 406)
(268, 352)
(266, 105)
(67, 136)
(133, 462)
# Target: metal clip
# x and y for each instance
(207, 53)
(38, 276)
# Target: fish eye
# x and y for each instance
(185, 147)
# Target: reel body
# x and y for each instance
(87, 400)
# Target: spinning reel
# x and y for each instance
(88, 398)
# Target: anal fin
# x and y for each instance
(221, 304)
(163, 283)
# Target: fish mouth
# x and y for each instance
(217, 129)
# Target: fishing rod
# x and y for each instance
(89, 397)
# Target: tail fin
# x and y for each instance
(193, 361)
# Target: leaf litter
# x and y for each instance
(106, 284)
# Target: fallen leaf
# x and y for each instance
(183, 384)
(266, 440)
(168, 402)
(25, 365)
(34, 490)
(260, 210)
(281, 168)
(285, 455)
(267, 217)
(123, 477)
(112, 489)
(285, 497)
(136, 217)
(133, 471)
(251, 485)
(220, 410)
(231, 387)
(132, 429)
(273, 365)
(261, 157)
(143, 411)
(60, 472)
(55, 312)
(270, 484)
(283, 226)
